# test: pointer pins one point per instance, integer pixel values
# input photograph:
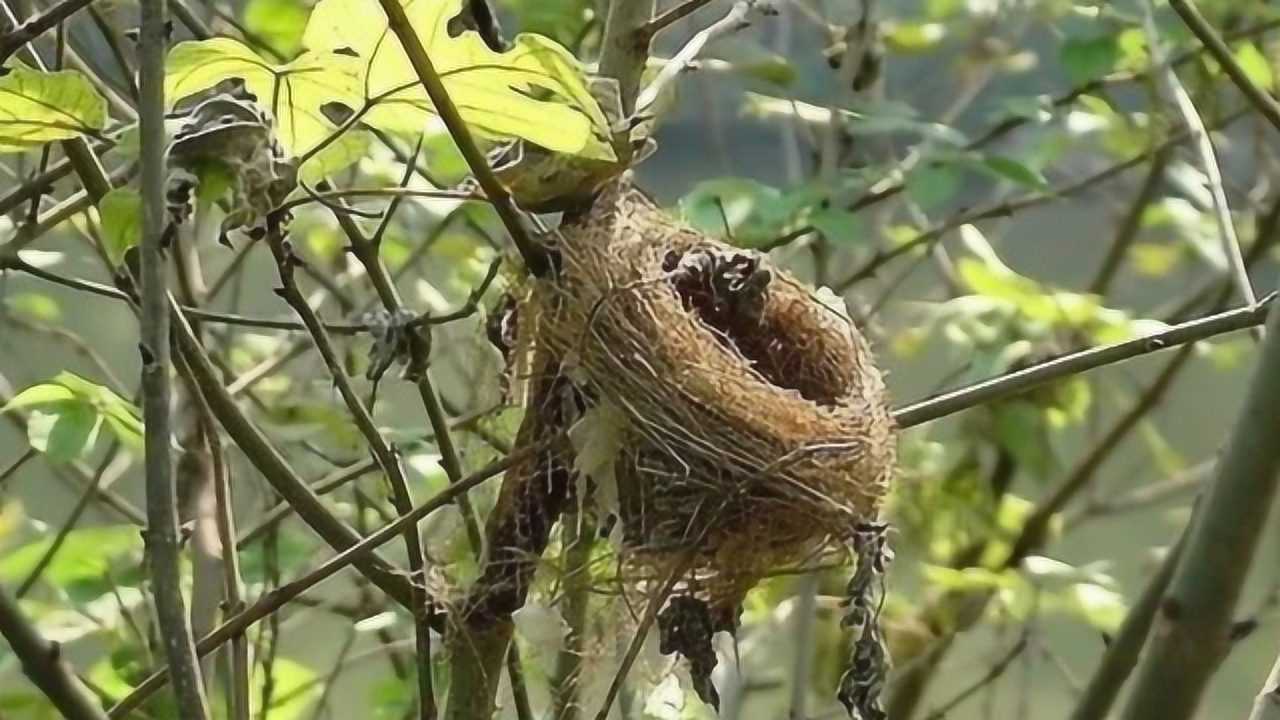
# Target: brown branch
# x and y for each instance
(42, 662)
(1124, 649)
(535, 256)
(673, 16)
(272, 465)
(625, 50)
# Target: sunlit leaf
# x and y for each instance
(496, 93)
(914, 37)
(1255, 66)
(279, 23)
(86, 554)
(295, 690)
(35, 306)
(39, 107)
(294, 92)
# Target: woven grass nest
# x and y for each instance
(757, 429)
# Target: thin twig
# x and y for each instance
(1208, 160)
(733, 21)
(1125, 648)
(386, 456)
(673, 16)
(1018, 382)
(1129, 226)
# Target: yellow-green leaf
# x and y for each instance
(294, 92)
(535, 91)
(40, 107)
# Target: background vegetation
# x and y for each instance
(988, 184)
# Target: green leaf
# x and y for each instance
(498, 94)
(749, 213)
(1011, 169)
(35, 306)
(67, 413)
(86, 554)
(39, 395)
(279, 23)
(933, 185)
(295, 690)
(63, 431)
(39, 107)
(1088, 58)
(294, 92)
(121, 213)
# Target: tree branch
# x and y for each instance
(1196, 615)
(1125, 648)
(1265, 104)
(42, 662)
(162, 534)
(625, 50)
(1016, 383)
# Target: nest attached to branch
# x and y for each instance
(757, 429)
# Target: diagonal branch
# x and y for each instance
(1217, 47)
(43, 664)
(535, 256)
(13, 40)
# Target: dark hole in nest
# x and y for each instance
(729, 290)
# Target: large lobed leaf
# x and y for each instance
(40, 107)
(498, 94)
(535, 91)
(294, 92)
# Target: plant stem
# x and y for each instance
(626, 49)
(1196, 615)
(162, 535)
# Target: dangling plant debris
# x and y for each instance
(757, 434)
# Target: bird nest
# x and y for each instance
(756, 433)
